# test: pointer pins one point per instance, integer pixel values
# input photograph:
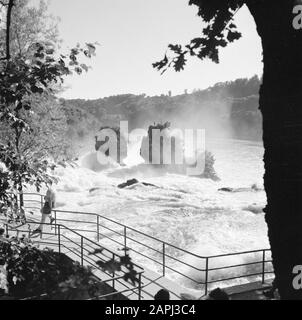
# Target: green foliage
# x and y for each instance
(23, 171)
(218, 33)
(239, 101)
(29, 25)
(48, 126)
(209, 171)
(20, 78)
(5, 198)
(30, 272)
(81, 284)
(28, 77)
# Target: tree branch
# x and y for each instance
(10, 6)
(8, 25)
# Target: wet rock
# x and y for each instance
(132, 182)
(236, 190)
(93, 190)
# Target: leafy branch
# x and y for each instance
(219, 32)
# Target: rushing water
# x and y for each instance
(187, 212)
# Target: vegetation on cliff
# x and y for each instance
(226, 110)
(28, 272)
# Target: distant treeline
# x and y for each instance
(228, 108)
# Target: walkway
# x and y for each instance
(82, 232)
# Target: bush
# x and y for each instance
(31, 272)
(4, 188)
(209, 172)
(27, 272)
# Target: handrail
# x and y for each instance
(146, 235)
(120, 224)
(89, 240)
(83, 257)
(238, 253)
(132, 229)
(206, 260)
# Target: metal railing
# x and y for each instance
(207, 270)
(87, 253)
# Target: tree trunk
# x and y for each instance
(21, 199)
(281, 107)
(8, 26)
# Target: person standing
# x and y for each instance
(51, 195)
(49, 205)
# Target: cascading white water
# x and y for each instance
(185, 211)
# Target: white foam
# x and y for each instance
(189, 213)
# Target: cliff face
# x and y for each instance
(154, 151)
(120, 140)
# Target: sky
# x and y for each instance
(133, 34)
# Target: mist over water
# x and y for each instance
(171, 208)
(212, 115)
(187, 212)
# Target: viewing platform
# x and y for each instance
(161, 265)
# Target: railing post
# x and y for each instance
(113, 275)
(82, 251)
(6, 230)
(98, 228)
(164, 259)
(55, 213)
(59, 238)
(17, 207)
(207, 276)
(125, 237)
(41, 202)
(140, 287)
(263, 267)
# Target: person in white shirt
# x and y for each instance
(49, 205)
